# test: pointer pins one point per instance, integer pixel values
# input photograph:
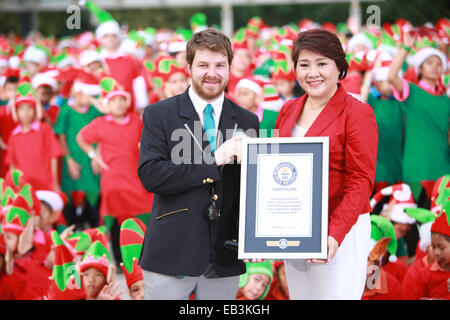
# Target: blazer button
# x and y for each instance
(215, 197)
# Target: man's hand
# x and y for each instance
(230, 150)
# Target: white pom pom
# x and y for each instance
(392, 258)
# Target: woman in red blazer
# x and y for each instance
(327, 110)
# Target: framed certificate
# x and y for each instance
(284, 198)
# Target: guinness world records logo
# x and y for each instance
(285, 173)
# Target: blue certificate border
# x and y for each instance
(251, 246)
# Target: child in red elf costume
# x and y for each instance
(132, 233)
(434, 279)
(380, 285)
(33, 147)
(278, 288)
(118, 136)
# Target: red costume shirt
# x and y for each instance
(32, 152)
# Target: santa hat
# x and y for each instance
(55, 200)
(417, 59)
(166, 66)
(380, 73)
(43, 79)
(25, 94)
(36, 54)
(382, 228)
(88, 56)
(176, 44)
(66, 282)
(132, 233)
(379, 248)
(251, 83)
(440, 193)
(360, 38)
(97, 256)
(257, 268)
(111, 88)
(401, 197)
(442, 222)
(86, 83)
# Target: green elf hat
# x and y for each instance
(282, 70)
(111, 88)
(66, 283)
(425, 218)
(239, 40)
(81, 241)
(97, 256)
(198, 22)
(166, 66)
(15, 183)
(440, 193)
(254, 26)
(25, 94)
(107, 24)
(132, 233)
(16, 215)
(257, 267)
(382, 228)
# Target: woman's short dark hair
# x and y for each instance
(324, 42)
(210, 39)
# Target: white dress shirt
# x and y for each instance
(200, 105)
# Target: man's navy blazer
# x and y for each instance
(180, 239)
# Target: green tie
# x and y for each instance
(209, 126)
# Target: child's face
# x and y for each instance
(93, 67)
(284, 87)
(441, 250)
(257, 284)
(82, 99)
(137, 290)
(384, 87)
(26, 113)
(94, 280)
(110, 41)
(401, 229)
(118, 106)
(45, 93)
(431, 68)
(32, 68)
(180, 57)
(241, 60)
(45, 217)
(176, 85)
(10, 89)
(246, 98)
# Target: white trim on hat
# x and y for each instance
(87, 89)
(425, 236)
(417, 59)
(249, 84)
(398, 215)
(176, 46)
(36, 55)
(359, 38)
(42, 79)
(107, 27)
(53, 199)
(89, 56)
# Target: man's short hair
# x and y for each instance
(210, 39)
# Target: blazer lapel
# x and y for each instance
(331, 111)
(286, 129)
(189, 114)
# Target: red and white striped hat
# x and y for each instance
(401, 197)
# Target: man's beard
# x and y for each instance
(208, 93)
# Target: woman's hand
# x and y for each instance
(333, 245)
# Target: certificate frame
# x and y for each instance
(259, 240)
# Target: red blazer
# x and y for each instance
(353, 134)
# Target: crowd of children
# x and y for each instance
(70, 126)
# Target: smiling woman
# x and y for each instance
(327, 110)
